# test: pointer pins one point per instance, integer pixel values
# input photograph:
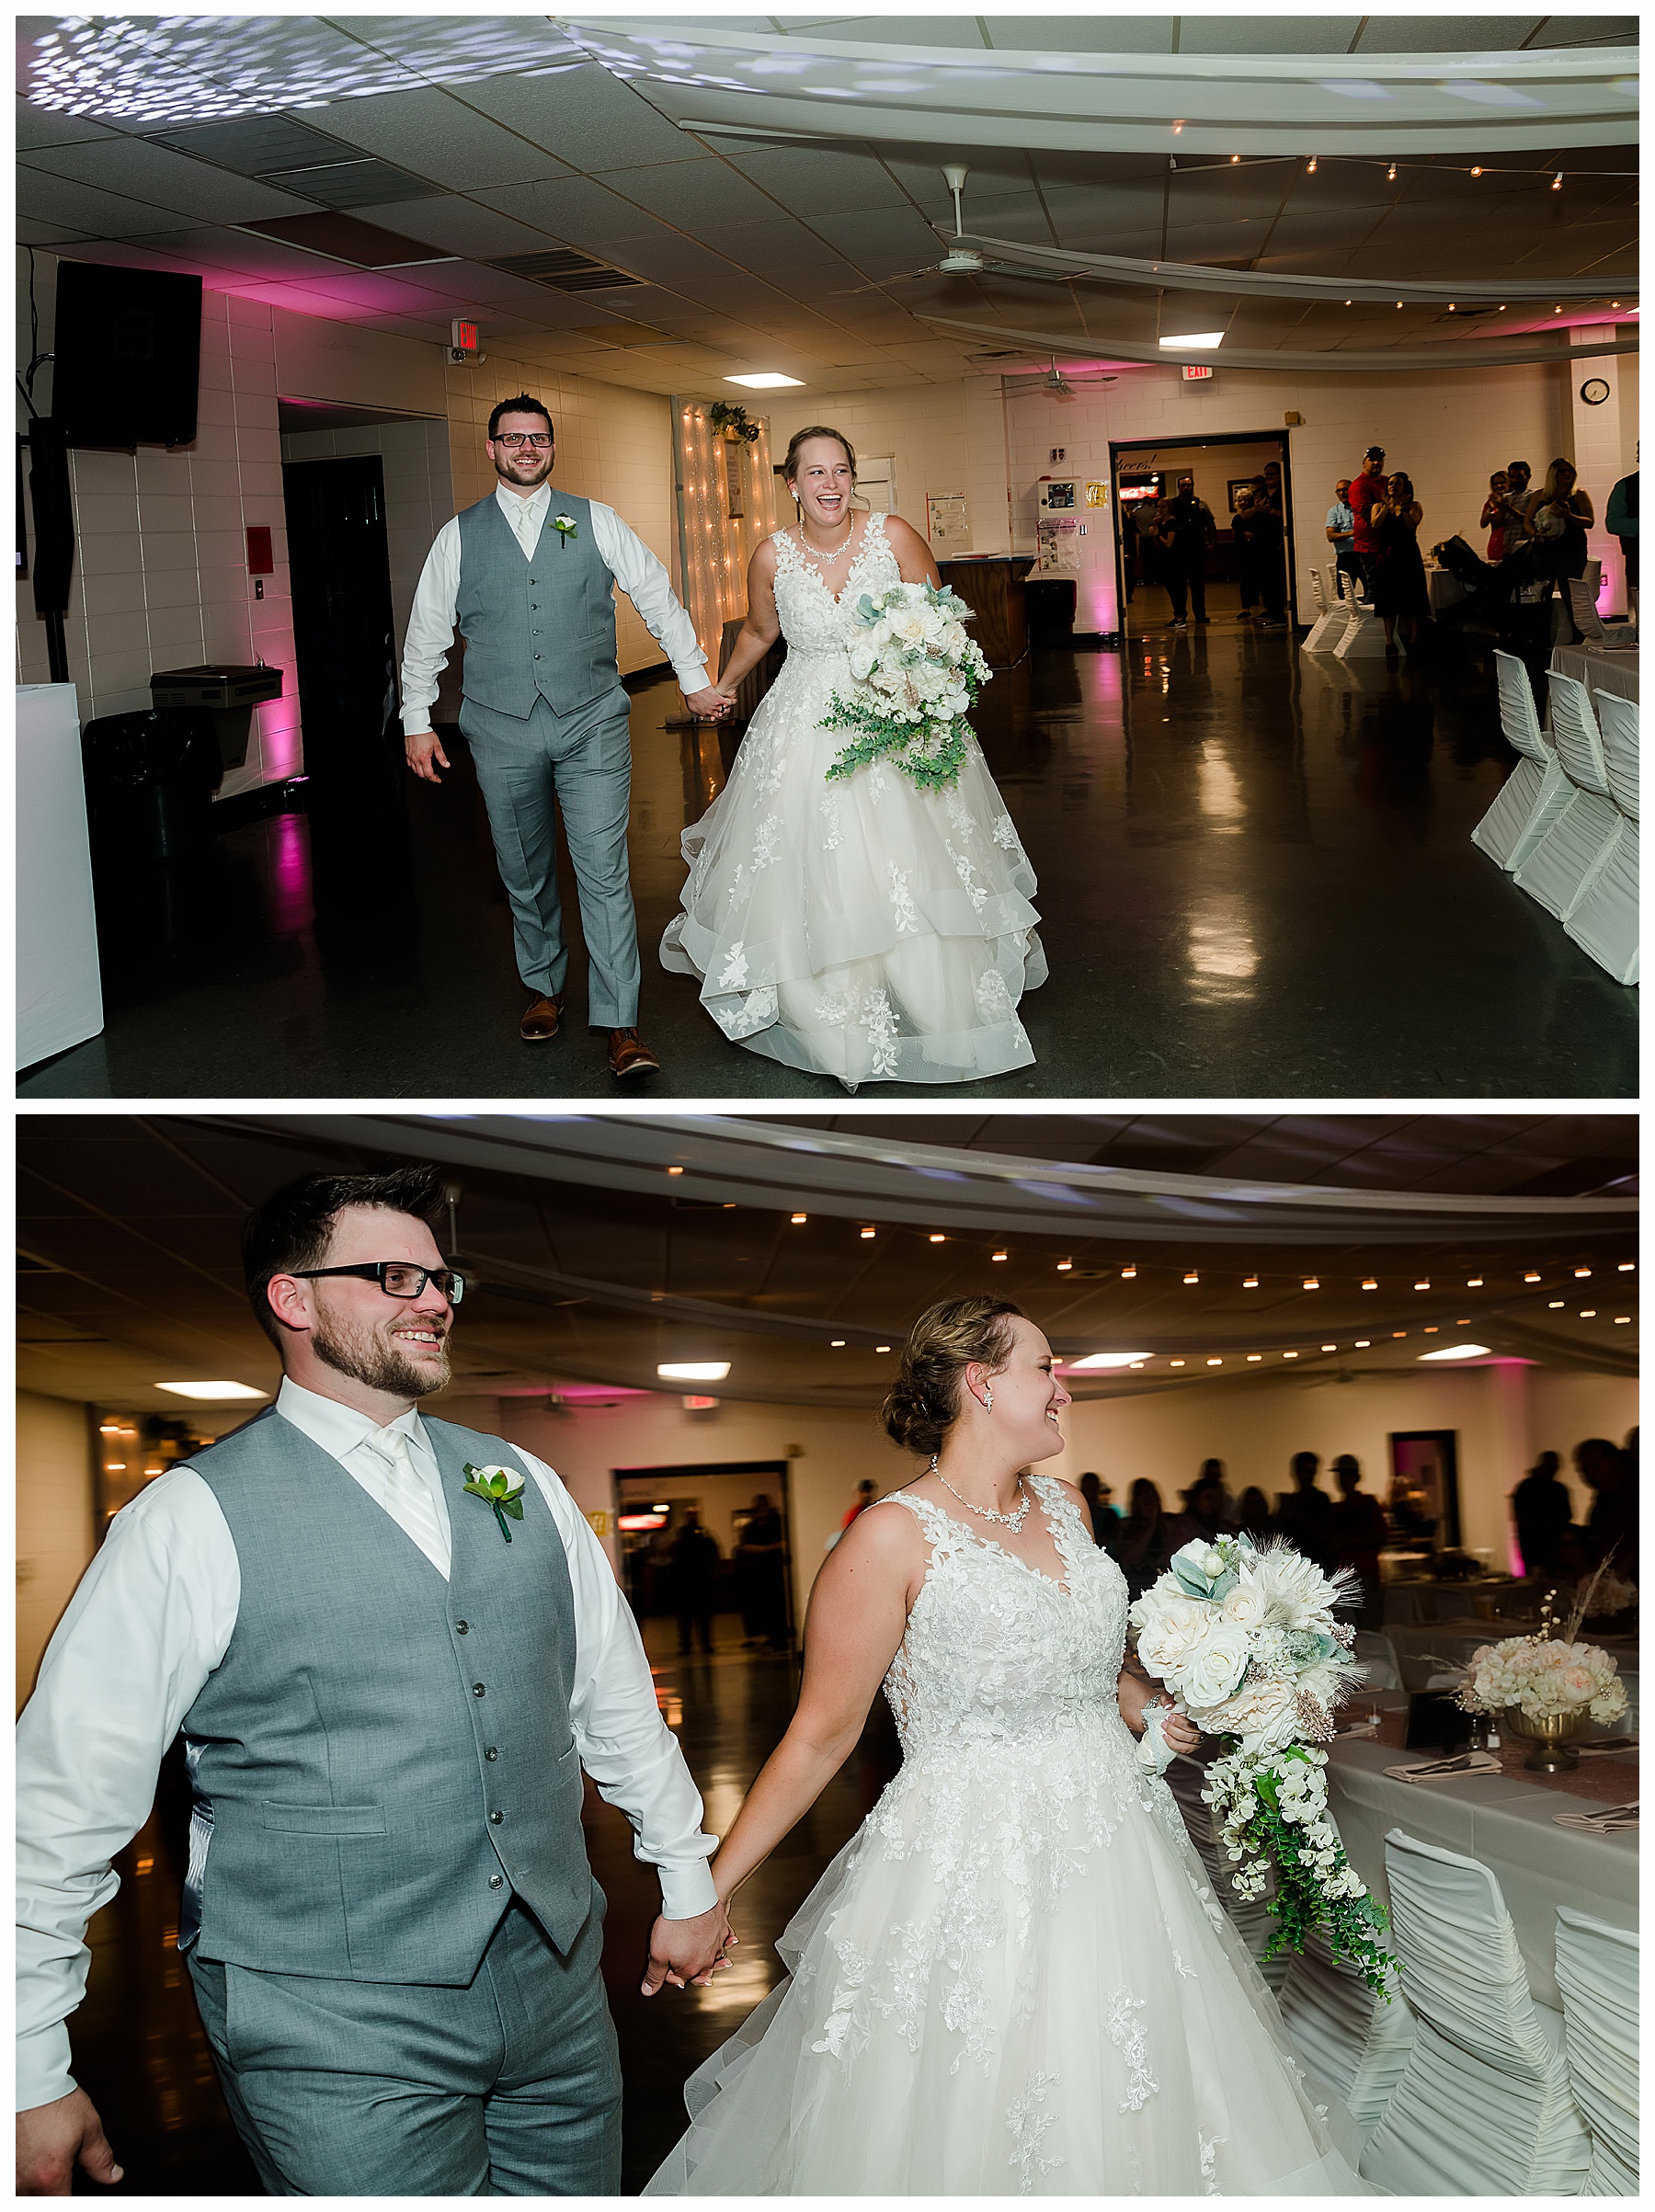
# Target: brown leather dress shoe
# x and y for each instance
(539, 1021)
(629, 1056)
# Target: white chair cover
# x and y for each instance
(1364, 639)
(1355, 2042)
(1604, 922)
(1333, 617)
(1536, 791)
(1582, 604)
(1378, 1656)
(1560, 866)
(1597, 1976)
(1483, 2107)
(1254, 1921)
(1617, 726)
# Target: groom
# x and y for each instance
(528, 574)
(388, 1688)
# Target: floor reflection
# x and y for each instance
(1325, 809)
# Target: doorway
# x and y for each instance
(1222, 465)
(740, 1601)
(344, 636)
(1423, 1502)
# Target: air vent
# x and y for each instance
(566, 271)
(353, 184)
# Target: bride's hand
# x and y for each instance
(1179, 1733)
(712, 703)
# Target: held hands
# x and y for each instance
(1178, 1732)
(711, 703)
(424, 752)
(52, 2138)
(685, 1952)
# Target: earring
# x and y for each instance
(987, 1399)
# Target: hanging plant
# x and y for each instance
(731, 423)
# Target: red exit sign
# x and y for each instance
(1195, 372)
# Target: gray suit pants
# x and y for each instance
(581, 762)
(510, 2087)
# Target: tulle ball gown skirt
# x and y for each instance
(861, 929)
(1051, 2003)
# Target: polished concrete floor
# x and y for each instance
(139, 2053)
(1256, 875)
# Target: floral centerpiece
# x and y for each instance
(1245, 1638)
(917, 674)
(1547, 1686)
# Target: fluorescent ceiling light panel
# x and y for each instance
(772, 380)
(1457, 1352)
(1105, 1358)
(694, 1371)
(212, 1394)
(1196, 337)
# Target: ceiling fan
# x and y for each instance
(965, 256)
(1054, 384)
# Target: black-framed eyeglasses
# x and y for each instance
(396, 1278)
(540, 439)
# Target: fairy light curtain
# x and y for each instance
(727, 504)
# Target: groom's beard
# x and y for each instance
(513, 471)
(374, 1359)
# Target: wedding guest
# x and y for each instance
(1366, 487)
(1302, 1516)
(1342, 534)
(1612, 1524)
(1204, 1516)
(866, 1494)
(1542, 1510)
(1144, 1549)
(695, 1561)
(1105, 1520)
(1186, 532)
(1620, 520)
(1495, 516)
(760, 1577)
(1397, 571)
(1252, 1514)
(1357, 1530)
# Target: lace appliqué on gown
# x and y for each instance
(1020, 1914)
(911, 909)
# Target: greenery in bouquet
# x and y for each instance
(1245, 1638)
(918, 674)
(731, 423)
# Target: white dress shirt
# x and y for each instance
(152, 1619)
(623, 551)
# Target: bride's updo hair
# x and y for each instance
(924, 1401)
(790, 467)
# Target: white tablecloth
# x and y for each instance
(1599, 670)
(60, 994)
(1441, 589)
(1505, 1824)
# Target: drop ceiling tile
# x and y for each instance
(438, 135)
(456, 225)
(457, 47)
(582, 116)
(778, 246)
(32, 233)
(576, 210)
(54, 200)
(45, 127)
(1082, 34)
(816, 183)
(876, 242)
(159, 178)
(1445, 34)
(1267, 34)
(701, 195)
(253, 144)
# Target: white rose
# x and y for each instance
(1264, 1715)
(1247, 1605)
(1218, 1664)
(514, 1481)
(861, 660)
(1172, 1634)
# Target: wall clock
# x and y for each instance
(1595, 391)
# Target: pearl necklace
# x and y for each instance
(1013, 1521)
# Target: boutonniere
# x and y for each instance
(566, 526)
(499, 1487)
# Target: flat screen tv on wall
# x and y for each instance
(127, 355)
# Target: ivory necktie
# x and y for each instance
(407, 1498)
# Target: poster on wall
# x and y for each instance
(1059, 548)
(947, 523)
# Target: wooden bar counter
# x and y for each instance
(992, 586)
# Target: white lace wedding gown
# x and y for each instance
(1015, 1978)
(865, 929)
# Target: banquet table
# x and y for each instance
(1507, 1822)
(1442, 588)
(1456, 1640)
(1600, 666)
(1431, 1601)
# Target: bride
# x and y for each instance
(1015, 1978)
(861, 929)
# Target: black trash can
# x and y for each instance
(1050, 601)
(150, 781)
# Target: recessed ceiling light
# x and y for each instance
(1214, 1363)
(1311, 1283)
(1424, 1285)
(1290, 1355)
(1474, 1283)
(1369, 1283)
(1457, 1352)
(1128, 1275)
(1626, 1266)
(675, 1171)
(212, 1394)
(1532, 1276)
(796, 1218)
(1329, 1348)
(1621, 1320)
(1191, 1276)
(769, 381)
(1107, 1359)
(1195, 337)
(1175, 1362)
(881, 1348)
(836, 1344)
(1589, 1313)
(996, 1255)
(1253, 1357)
(1064, 1266)
(1363, 1343)
(1249, 1282)
(870, 1233)
(693, 1370)
(1552, 1305)
(1583, 1271)
(937, 1237)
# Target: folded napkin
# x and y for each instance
(1603, 1820)
(1609, 1747)
(1444, 1770)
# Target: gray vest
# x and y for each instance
(382, 1758)
(544, 625)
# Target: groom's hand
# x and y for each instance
(424, 750)
(711, 703)
(52, 2138)
(682, 1952)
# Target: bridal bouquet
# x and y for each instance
(1246, 1640)
(917, 674)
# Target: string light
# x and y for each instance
(1477, 172)
(1390, 174)
(796, 1218)
(937, 1237)
(1311, 1284)
(1128, 1275)
(1249, 1282)
(1191, 1277)
(870, 1232)
(1064, 1266)
(1532, 1276)
(999, 1255)
(1556, 184)
(1369, 1283)
(1310, 166)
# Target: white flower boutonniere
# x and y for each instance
(566, 526)
(499, 1487)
